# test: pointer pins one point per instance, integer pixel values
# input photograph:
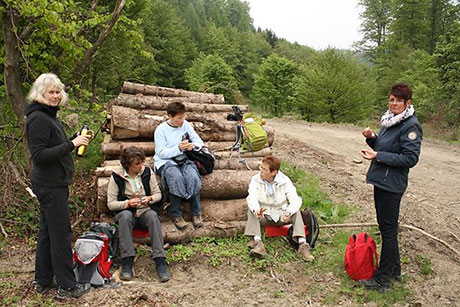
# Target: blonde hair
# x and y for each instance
(44, 82)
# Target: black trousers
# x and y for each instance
(387, 207)
(54, 246)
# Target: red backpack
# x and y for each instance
(361, 260)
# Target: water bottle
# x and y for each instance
(81, 150)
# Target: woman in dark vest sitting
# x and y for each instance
(132, 189)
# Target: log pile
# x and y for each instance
(134, 116)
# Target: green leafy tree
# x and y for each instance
(376, 16)
(334, 87)
(210, 73)
(170, 42)
(447, 56)
(273, 84)
(423, 76)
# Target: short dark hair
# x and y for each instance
(175, 108)
(129, 155)
(401, 90)
(273, 163)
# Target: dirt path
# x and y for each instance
(432, 201)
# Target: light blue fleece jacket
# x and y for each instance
(167, 139)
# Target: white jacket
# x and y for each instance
(284, 196)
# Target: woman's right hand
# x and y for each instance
(134, 202)
(368, 133)
(81, 140)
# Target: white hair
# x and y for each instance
(42, 84)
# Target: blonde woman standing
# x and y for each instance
(52, 173)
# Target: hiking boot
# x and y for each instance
(197, 221)
(304, 251)
(372, 284)
(258, 250)
(179, 222)
(44, 289)
(127, 268)
(251, 244)
(162, 269)
(75, 292)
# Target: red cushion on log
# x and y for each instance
(140, 233)
(276, 231)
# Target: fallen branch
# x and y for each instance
(3, 231)
(15, 222)
(400, 225)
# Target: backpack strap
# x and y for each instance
(314, 230)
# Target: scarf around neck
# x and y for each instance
(389, 119)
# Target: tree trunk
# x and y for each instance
(114, 148)
(192, 103)
(210, 229)
(12, 74)
(226, 184)
(226, 164)
(220, 210)
(136, 88)
(88, 57)
(220, 184)
(238, 164)
(229, 154)
(131, 123)
(12, 66)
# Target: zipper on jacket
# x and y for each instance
(386, 174)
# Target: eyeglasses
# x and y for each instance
(398, 101)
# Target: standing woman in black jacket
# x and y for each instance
(51, 174)
(393, 151)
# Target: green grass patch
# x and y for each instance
(309, 189)
(424, 264)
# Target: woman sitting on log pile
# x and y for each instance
(180, 175)
(132, 189)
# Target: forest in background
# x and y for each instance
(212, 45)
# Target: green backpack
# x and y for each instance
(255, 136)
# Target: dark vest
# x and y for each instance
(121, 183)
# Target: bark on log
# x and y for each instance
(220, 184)
(131, 123)
(228, 154)
(115, 148)
(210, 229)
(192, 104)
(211, 210)
(238, 164)
(136, 88)
(226, 184)
(226, 164)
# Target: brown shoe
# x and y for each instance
(251, 244)
(304, 251)
(179, 222)
(197, 221)
(258, 250)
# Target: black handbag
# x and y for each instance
(180, 159)
(204, 159)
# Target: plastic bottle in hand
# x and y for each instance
(81, 150)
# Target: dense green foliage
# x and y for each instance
(213, 46)
(416, 42)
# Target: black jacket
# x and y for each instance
(49, 147)
(398, 149)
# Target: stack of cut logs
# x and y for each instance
(135, 114)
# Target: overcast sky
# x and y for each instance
(315, 23)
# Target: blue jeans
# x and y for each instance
(176, 202)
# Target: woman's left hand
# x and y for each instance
(368, 154)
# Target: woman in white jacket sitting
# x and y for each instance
(273, 200)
